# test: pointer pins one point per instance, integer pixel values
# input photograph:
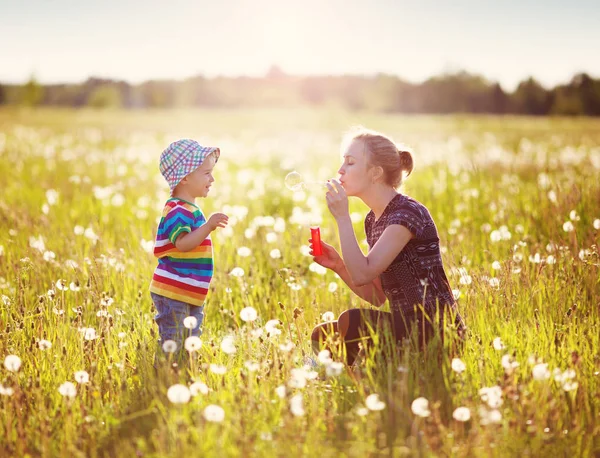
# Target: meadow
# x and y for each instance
(517, 204)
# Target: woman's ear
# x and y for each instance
(376, 173)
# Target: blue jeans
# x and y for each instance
(170, 315)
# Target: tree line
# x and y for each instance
(459, 92)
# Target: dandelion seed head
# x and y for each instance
(244, 251)
(82, 377)
(192, 344)
(248, 314)
(297, 405)
(12, 363)
(540, 372)
(190, 322)
(334, 369)
(68, 390)
(280, 391)
(6, 391)
(179, 394)
(461, 414)
(228, 345)
(251, 366)
(420, 407)
(218, 369)
(44, 344)
(324, 357)
(169, 346)
(458, 365)
(328, 316)
(237, 272)
(213, 413)
(197, 388)
(498, 344)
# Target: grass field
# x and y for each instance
(517, 205)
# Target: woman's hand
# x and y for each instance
(337, 199)
(330, 258)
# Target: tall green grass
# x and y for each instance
(516, 202)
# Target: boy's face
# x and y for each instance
(199, 181)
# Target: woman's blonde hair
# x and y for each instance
(395, 160)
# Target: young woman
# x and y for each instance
(403, 265)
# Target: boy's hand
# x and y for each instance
(217, 220)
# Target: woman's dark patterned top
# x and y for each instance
(418, 270)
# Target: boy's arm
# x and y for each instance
(187, 241)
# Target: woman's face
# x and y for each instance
(354, 175)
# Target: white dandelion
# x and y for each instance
(286, 347)
(169, 346)
(214, 413)
(498, 344)
(44, 344)
(248, 314)
(89, 333)
(197, 388)
(68, 390)
(179, 394)
(190, 322)
(328, 316)
(228, 345)
(324, 357)
(244, 251)
(420, 407)
(334, 369)
(6, 390)
(192, 344)
(461, 414)
(280, 391)
(492, 396)
(217, 369)
(82, 377)
(373, 402)
(297, 405)
(540, 372)
(458, 365)
(251, 366)
(12, 363)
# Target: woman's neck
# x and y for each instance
(378, 199)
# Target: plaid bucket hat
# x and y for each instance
(182, 157)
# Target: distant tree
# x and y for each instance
(158, 94)
(500, 100)
(32, 93)
(2, 94)
(105, 96)
(531, 98)
(588, 91)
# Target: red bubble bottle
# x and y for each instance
(315, 235)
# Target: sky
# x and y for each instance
(505, 41)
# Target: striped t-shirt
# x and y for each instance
(183, 276)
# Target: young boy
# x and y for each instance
(183, 245)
